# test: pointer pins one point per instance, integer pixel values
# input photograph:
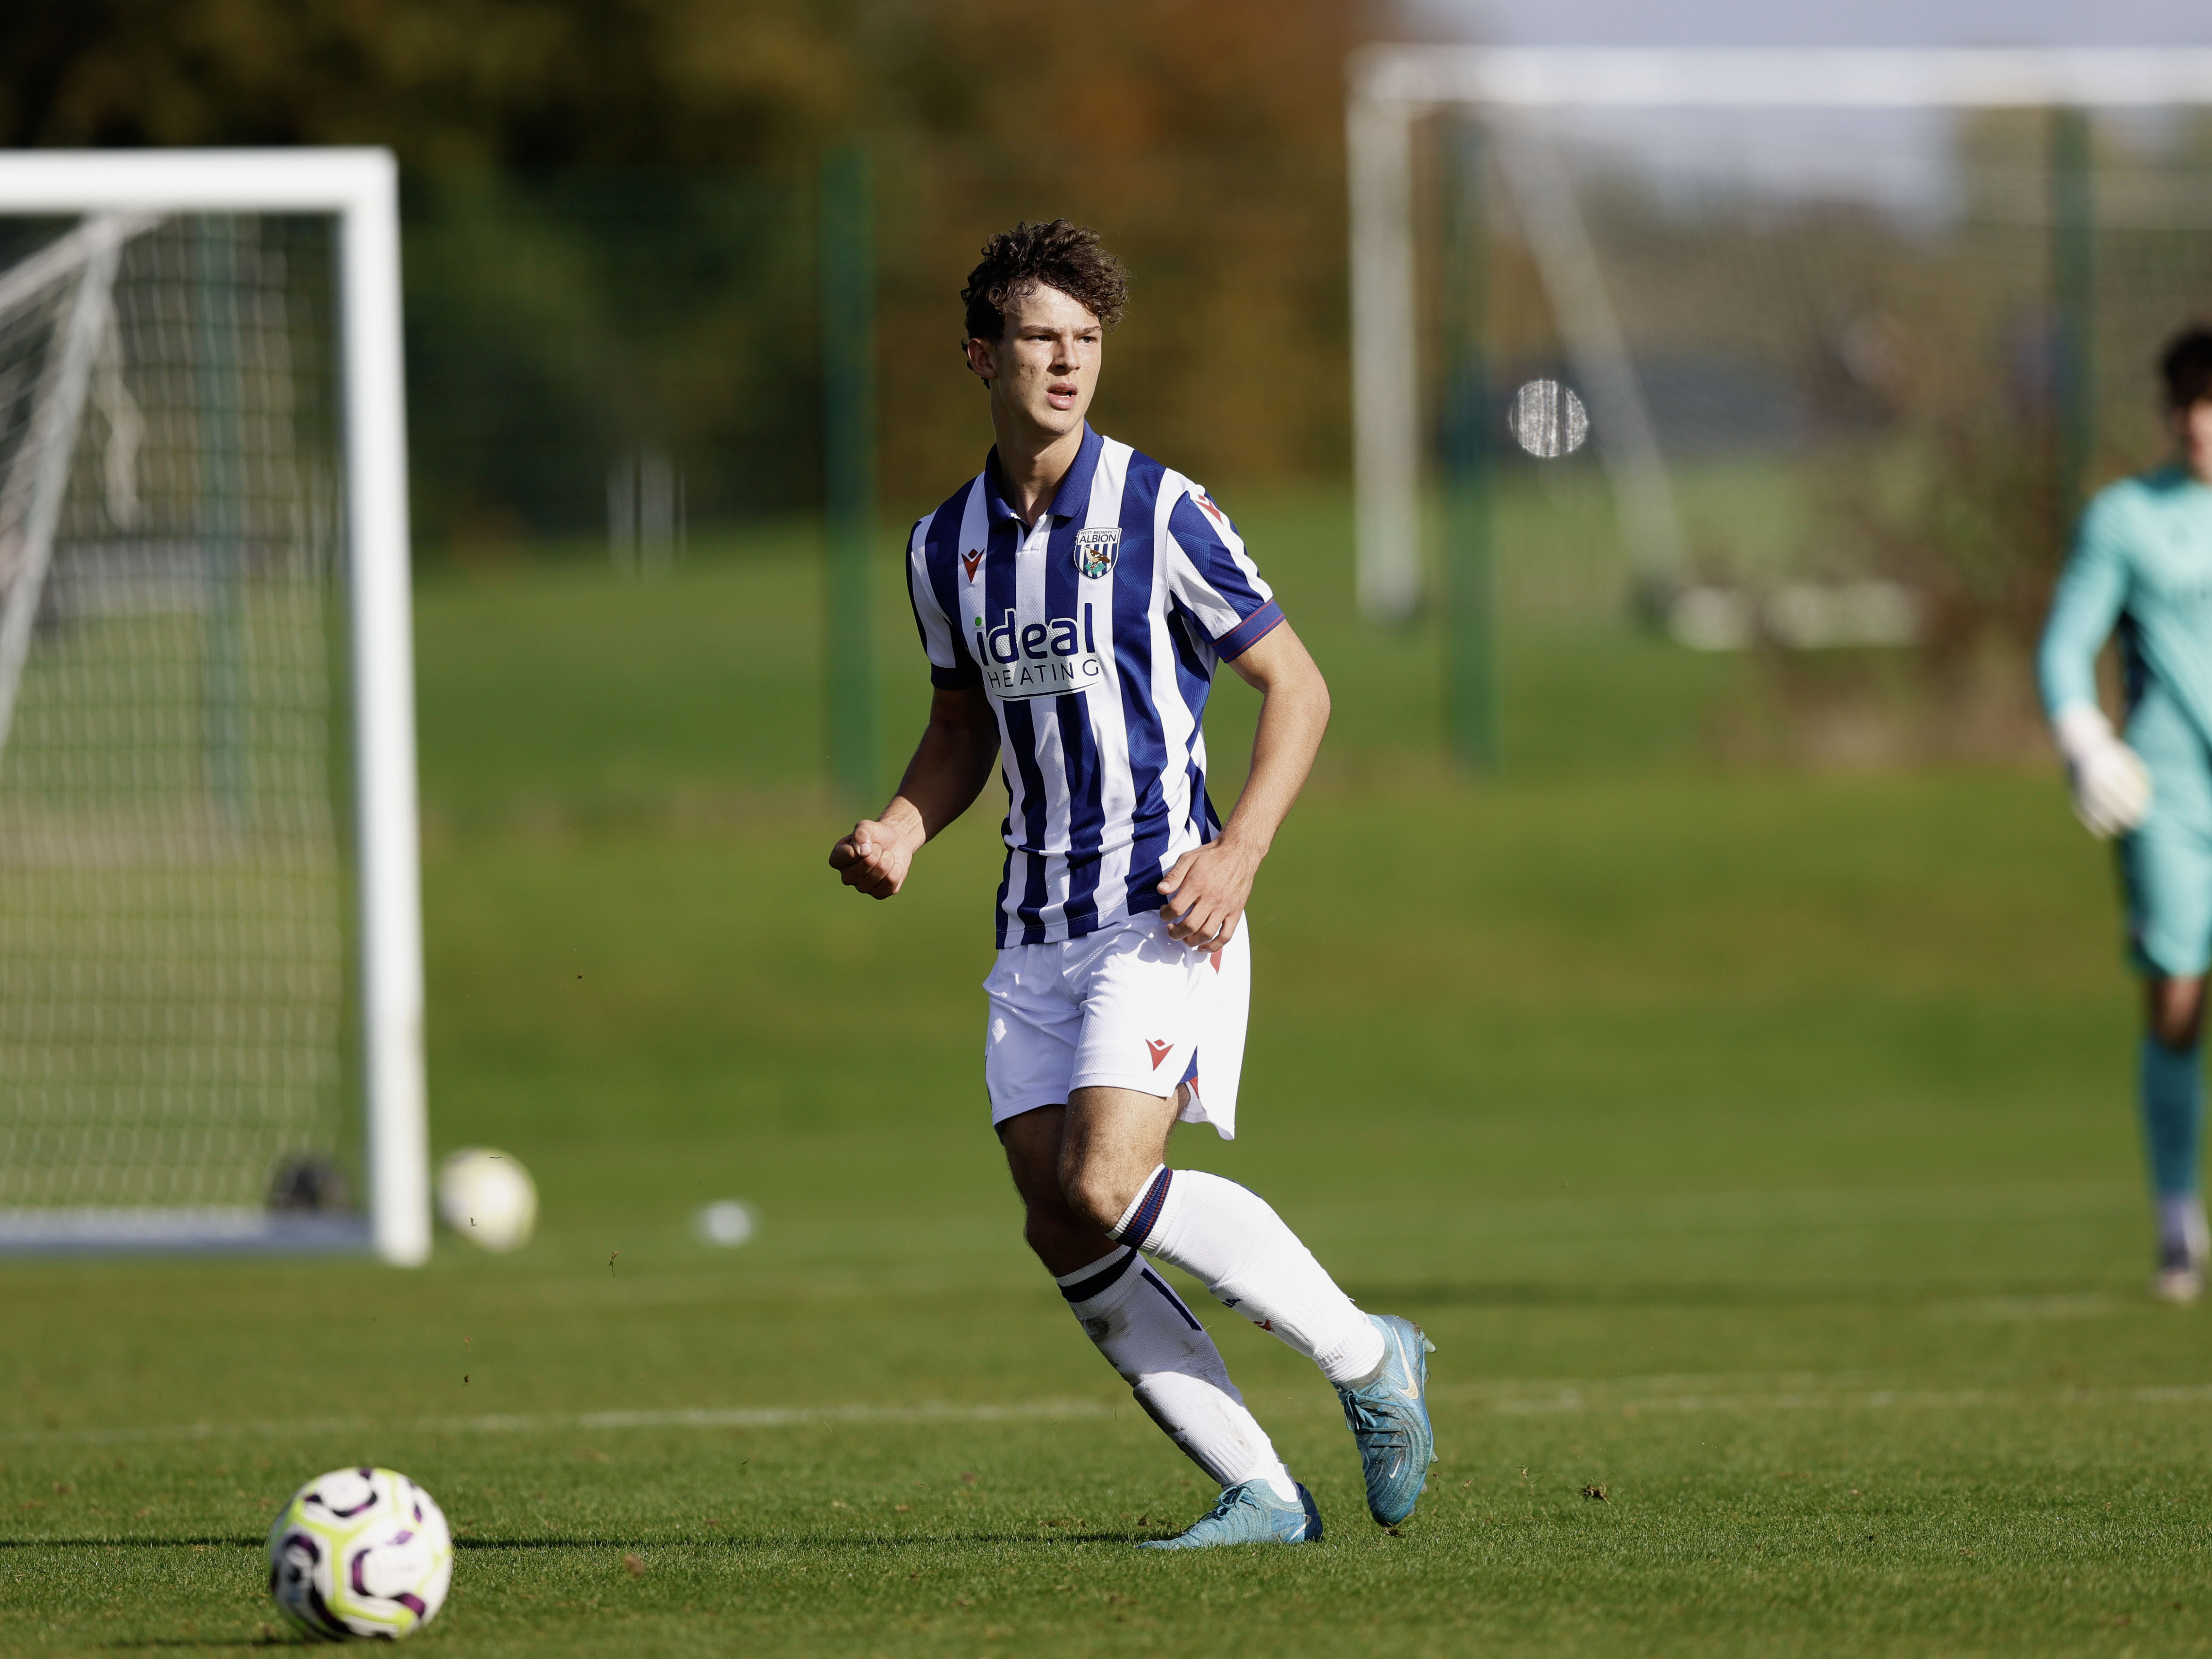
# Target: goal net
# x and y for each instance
(1852, 332)
(196, 1030)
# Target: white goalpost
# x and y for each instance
(210, 951)
(1616, 310)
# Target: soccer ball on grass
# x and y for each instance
(362, 1552)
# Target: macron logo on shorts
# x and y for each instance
(1159, 1051)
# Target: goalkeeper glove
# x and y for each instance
(2111, 784)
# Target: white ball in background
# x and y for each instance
(488, 1198)
(727, 1222)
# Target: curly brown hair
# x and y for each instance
(1057, 254)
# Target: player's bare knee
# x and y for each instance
(2179, 1030)
(2170, 1032)
(2177, 1011)
(1062, 1239)
(1094, 1195)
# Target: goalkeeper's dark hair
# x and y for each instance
(1057, 254)
(2186, 366)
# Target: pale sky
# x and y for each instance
(1897, 157)
(1852, 23)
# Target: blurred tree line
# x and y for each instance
(610, 214)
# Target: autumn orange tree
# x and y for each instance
(1203, 138)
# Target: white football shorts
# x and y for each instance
(1127, 1007)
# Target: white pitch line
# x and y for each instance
(738, 1416)
(1566, 1402)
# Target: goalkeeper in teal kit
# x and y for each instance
(2142, 565)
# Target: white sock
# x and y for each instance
(1232, 1241)
(1164, 1353)
(2181, 1227)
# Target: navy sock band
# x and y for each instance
(1085, 1288)
(1136, 1228)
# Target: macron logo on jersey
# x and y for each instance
(1046, 659)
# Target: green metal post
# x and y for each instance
(221, 518)
(2074, 298)
(848, 410)
(1470, 596)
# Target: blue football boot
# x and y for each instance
(1389, 1416)
(1250, 1514)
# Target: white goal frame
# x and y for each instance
(1394, 86)
(359, 188)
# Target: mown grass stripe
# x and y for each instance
(737, 1417)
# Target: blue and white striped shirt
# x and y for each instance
(1095, 633)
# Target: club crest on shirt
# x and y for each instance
(1095, 549)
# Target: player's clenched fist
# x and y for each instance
(873, 857)
(1206, 890)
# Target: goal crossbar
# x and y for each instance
(1394, 86)
(357, 188)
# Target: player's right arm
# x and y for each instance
(2110, 786)
(952, 762)
(951, 765)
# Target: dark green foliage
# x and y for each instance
(609, 242)
(555, 323)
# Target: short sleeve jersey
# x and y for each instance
(1095, 633)
(2142, 563)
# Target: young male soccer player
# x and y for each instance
(1073, 599)
(2142, 560)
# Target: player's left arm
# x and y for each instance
(2085, 604)
(1209, 886)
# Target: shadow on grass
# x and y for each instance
(735, 1541)
(783, 1541)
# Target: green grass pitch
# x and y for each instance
(1757, 1148)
